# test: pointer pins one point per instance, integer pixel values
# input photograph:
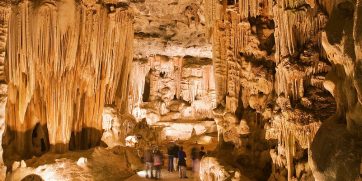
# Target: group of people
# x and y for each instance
(176, 154)
(153, 159)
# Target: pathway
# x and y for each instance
(165, 175)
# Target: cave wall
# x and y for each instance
(341, 40)
(65, 61)
(270, 59)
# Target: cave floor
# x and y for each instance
(165, 175)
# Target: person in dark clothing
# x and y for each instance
(170, 153)
(157, 163)
(182, 163)
(202, 153)
(194, 157)
(175, 150)
(148, 159)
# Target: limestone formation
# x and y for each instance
(65, 61)
(271, 88)
(172, 88)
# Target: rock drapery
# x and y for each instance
(65, 61)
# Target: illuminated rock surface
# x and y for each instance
(271, 88)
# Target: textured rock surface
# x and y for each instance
(116, 127)
(279, 80)
(4, 18)
(171, 28)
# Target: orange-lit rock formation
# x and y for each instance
(272, 88)
(65, 61)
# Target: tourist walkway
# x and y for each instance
(165, 175)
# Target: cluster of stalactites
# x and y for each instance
(290, 79)
(282, 129)
(289, 135)
(186, 82)
(224, 55)
(65, 62)
(197, 82)
(295, 28)
(254, 8)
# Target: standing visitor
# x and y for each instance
(170, 153)
(176, 148)
(196, 166)
(194, 158)
(202, 153)
(158, 162)
(182, 163)
(148, 159)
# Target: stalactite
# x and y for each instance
(303, 134)
(177, 61)
(4, 17)
(229, 39)
(63, 69)
(213, 12)
(254, 8)
(294, 28)
(138, 76)
(289, 135)
(220, 65)
(290, 81)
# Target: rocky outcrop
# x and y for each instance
(117, 163)
(212, 169)
(116, 127)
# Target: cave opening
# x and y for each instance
(39, 137)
